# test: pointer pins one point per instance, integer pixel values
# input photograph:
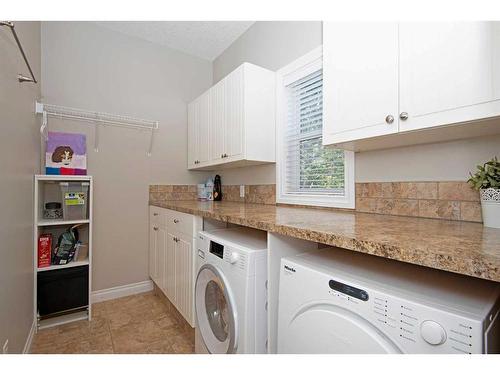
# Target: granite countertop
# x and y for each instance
(460, 247)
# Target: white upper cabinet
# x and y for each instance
(387, 78)
(235, 122)
(449, 72)
(360, 80)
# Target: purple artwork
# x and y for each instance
(66, 154)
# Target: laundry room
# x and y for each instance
(190, 184)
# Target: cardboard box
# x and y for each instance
(44, 250)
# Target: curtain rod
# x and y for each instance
(20, 77)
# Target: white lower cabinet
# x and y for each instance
(171, 259)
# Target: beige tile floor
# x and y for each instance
(142, 323)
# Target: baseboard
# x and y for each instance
(29, 339)
(121, 291)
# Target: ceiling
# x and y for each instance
(204, 39)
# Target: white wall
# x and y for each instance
(88, 66)
(19, 151)
(275, 44)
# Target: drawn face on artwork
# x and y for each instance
(62, 154)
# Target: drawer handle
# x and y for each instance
(176, 221)
(155, 214)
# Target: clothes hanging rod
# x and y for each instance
(20, 77)
(95, 117)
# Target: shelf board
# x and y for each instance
(56, 177)
(60, 266)
(53, 222)
(63, 319)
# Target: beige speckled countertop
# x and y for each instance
(461, 247)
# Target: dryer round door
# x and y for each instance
(331, 329)
(215, 311)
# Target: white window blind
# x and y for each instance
(309, 168)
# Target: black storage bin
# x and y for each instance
(63, 289)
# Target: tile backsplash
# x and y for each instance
(263, 194)
(452, 200)
(438, 200)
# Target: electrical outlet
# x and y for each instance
(242, 191)
(5, 348)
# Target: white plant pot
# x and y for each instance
(490, 206)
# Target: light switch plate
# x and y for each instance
(242, 191)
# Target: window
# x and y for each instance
(308, 172)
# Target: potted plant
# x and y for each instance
(487, 181)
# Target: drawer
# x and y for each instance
(180, 222)
(157, 215)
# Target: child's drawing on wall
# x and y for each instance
(66, 154)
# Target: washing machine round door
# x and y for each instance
(215, 311)
(331, 329)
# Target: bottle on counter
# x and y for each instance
(217, 188)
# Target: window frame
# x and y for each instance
(296, 70)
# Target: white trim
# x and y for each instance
(29, 339)
(121, 291)
(302, 66)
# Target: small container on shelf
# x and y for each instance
(74, 200)
(53, 210)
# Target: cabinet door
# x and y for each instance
(161, 248)
(204, 128)
(153, 252)
(234, 113)
(193, 125)
(218, 120)
(169, 264)
(449, 72)
(360, 80)
(184, 276)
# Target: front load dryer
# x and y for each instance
(340, 301)
(230, 291)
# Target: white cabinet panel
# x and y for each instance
(184, 276)
(234, 113)
(360, 80)
(204, 129)
(193, 109)
(161, 249)
(170, 270)
(218, 120)
(449, 72)
(153, 252)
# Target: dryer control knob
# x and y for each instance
(432, 332)
(234, 257)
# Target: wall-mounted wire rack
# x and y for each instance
(95, 118)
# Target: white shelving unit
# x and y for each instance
(42, 185)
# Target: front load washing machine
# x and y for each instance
(230, 291)
(340, 301)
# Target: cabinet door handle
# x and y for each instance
(389, 119)
(403, 116)
(155, 214)
(155, 228)
(176, 221)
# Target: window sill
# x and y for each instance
(316, 201)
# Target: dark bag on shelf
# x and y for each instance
(66, 247)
